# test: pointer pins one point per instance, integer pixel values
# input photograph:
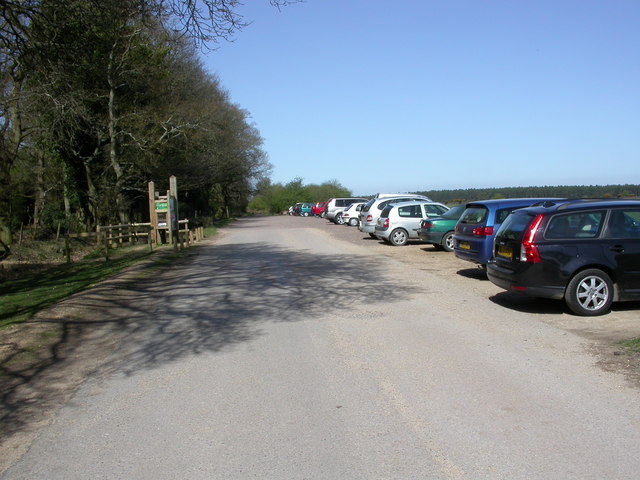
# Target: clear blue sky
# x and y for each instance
(408, 95)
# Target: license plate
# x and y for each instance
(464, 245)
(506, 252)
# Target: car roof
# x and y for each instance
(505, 202)
(419, 202)
(585, 204)
(388, 195)
(385, 199)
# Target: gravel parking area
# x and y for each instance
(606, 332)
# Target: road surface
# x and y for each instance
(283, 350)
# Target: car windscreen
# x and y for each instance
(474, 215)
(514, 225)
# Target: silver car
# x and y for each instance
(398, 223)
(371, 210)
(350, 214)
(335, 206)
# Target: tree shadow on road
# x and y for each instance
(213, 298)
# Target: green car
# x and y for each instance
(439, 230)
(303, 209)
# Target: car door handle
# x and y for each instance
(617, 248)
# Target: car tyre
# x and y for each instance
(447, 242)
(306, 214)
(353, 222)
(399, 237)
(339, 220)
(589, 293)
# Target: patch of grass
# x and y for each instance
(211, 230)
(48, 282)
(631, 346)
(21, 298)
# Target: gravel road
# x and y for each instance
(292, 348)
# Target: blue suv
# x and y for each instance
(473, 238)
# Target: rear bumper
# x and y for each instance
(521, 282)
(382, 234)
(430, 237)
(468, 255)
(367, 227)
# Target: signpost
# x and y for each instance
(163, 213)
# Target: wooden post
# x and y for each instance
(67, 248)
(106, 243)
(153, 217)
(172, 197)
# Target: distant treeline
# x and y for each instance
(464, 195)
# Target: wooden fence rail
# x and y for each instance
(114, 236)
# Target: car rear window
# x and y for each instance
(454, 213)
(503, 213)
(474, 215)
(367, 205)
(385, 211)
(514, 226)
(382, 205)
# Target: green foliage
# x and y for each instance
(105, 96)
(277, 198)
(26, 296)
(259, 205)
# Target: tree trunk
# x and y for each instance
(121, 203)
(5, 201)
(39, 190)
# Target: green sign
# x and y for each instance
(161, 205)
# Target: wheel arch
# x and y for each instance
(598, 266)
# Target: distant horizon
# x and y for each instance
(620, 185)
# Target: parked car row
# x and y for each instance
(301, 209)
(585, 252)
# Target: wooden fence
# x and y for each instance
(114, 236)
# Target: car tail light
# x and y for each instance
(482, 231)
(529, 251)
(427, 225)
(369, 218)
(385, 224)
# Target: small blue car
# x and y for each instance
(476, 229)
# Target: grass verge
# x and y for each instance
(23, 297)
(631, 346)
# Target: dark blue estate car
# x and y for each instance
(473, 240)
(585, 251)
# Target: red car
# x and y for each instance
(318, 209)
